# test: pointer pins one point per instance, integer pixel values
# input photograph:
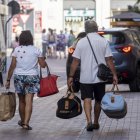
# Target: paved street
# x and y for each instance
(46, 126)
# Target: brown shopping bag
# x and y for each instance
(7, 105)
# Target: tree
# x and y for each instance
(135, 7)
(138, 1)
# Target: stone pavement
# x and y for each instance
(46, 126)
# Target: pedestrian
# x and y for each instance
(90, 85)
(24, 64)
(61, 44)
(52, 39)
(44, 43)
(71, 38)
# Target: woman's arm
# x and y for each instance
(42, 62)
(10, 72)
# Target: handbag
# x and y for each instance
(114, 105)
(104, 73)
(48, 84)
(69, 106)
(7, 105)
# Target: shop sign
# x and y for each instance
(38, 21)
(79, 13)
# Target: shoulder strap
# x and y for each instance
(92, 49)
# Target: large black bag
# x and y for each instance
(104, 73)
(69, 106)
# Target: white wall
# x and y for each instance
(103, 10)
(52, 13)
(121, 4)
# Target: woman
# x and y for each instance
(24, 64)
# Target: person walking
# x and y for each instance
(24, 64)
(90, 85)
(61, 44)
(71, 38)
(44, 43)
(52, 39)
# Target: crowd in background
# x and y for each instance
(53, 44)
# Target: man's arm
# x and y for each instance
(110, 64)
(73, 68)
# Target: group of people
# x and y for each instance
(53, 42)
(26, 77)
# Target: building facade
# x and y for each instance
(3, 17)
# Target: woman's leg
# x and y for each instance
(21, 107)
(28, 107)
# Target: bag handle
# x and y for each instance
(48, 71)
(72, 93)
(113, 89)
(92, 50)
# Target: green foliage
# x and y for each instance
(135, 7)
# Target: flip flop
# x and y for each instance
(26, 126)
(20, 123)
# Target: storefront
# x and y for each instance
(74, 19)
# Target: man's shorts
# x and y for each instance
(26, 84)
(92, 91)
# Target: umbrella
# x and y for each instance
(127, 15)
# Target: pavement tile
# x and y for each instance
(46, 126)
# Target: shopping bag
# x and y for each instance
(7, 105)
(69, 106)
(48, 84)
(114, 105)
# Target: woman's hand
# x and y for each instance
(7, 85)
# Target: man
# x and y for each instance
(89, 82)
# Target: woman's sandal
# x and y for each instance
(26, 126)
(20, 123)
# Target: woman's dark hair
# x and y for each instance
(81, 35)
(26, 38)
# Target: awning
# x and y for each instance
(126, 15)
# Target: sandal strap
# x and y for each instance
(26, 126)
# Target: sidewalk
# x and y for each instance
(46, 126)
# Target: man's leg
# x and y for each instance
(99, 91)
(97, 111)
(88, 109)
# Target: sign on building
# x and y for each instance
(38, 21)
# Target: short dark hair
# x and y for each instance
(26, 38)
(91, 26)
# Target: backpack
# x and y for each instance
(51, 38)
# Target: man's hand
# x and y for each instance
(115, 80)
(70, 82)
